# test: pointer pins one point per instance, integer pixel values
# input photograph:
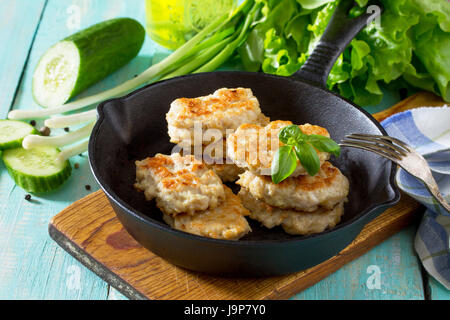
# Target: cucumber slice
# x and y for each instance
(77, 62)
(36, 170)
(12, 133)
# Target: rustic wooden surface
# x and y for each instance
(420, 99)
(34, 267)
(91, 232)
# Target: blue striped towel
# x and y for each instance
(428, 131)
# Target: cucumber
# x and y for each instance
(12, 133)
(36, 170)
(77, 62)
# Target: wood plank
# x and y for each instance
(421, 99)
(34, 267)
(16, 38)
(85, 230)
(394, 261)
(436, 290)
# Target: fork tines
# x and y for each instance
(385, 146)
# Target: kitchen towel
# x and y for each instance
(427, 130)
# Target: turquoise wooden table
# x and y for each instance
(34, 267)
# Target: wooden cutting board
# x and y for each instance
(90, 231)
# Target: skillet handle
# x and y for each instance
(338, 34)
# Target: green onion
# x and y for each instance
(73, 119)
(72, 151)
(205, 52)
(32, 141)
(183, 54)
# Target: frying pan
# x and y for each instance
(134, 127)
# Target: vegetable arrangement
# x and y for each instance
(206, 51)
(54, 83)
(410, 47)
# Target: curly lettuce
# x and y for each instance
(409, 46)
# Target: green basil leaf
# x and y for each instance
(288, 135)
(308, 158)
(324, 144)
(283, 164)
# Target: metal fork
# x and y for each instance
(400, 153)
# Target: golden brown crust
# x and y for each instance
(253, 147)
(292, 221)
(179, 183)
(224, 222)
(227, 172)
(171, 179)
(310, 129)
(223, 110)
(324, 179)
(303, 193)
(222, 100)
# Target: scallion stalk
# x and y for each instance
(72, 151)
(226, 53)
(32, 141)
(71, 120)
(155, 71)
(205, 52)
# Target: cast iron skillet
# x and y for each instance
(134, 127)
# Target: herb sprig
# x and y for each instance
(302, 147)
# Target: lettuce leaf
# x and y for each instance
(281, 56)
(313, 4)
(411, 44)
(433, 49)
(437, 8)
(275, 14)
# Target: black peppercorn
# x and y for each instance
(88, 187)
(33, 123)
(28, 197)
(66, 129)
(45, 131)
